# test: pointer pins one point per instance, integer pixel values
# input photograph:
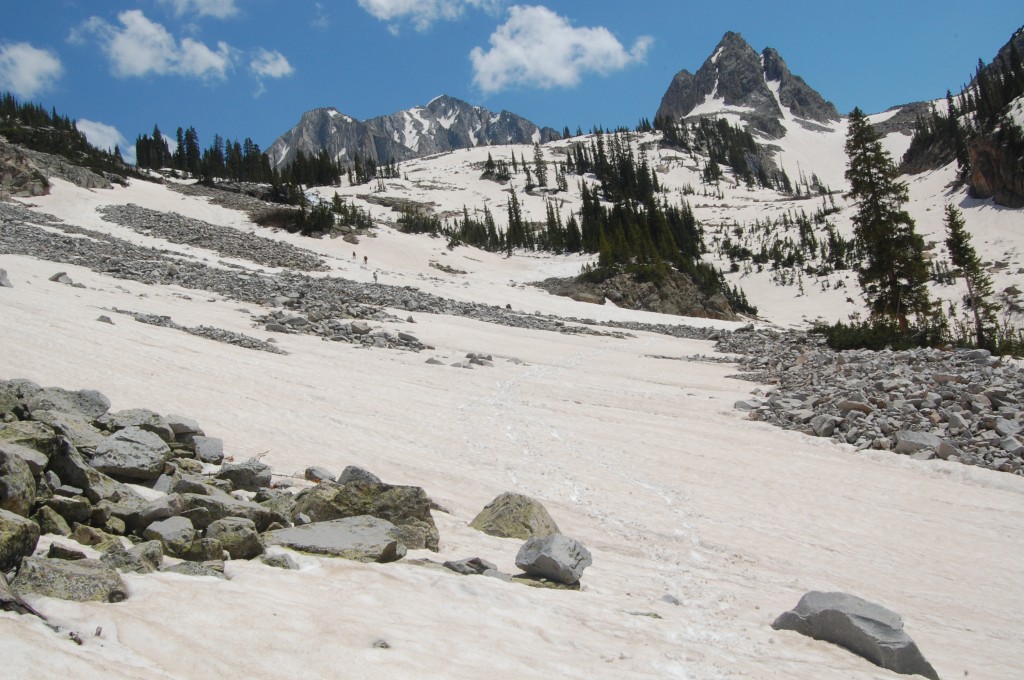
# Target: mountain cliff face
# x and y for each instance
(758, 85)
(446, 123)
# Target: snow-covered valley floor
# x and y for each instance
(641, 459)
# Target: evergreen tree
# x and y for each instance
(894, 274)
(979, 284)
(539, 168)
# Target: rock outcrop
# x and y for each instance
(997, 172)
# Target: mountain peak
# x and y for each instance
(735, 79)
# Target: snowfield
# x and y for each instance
(704, 526)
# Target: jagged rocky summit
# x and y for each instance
(445, 124)
(758, 84)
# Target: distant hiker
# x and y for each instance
(364, 259)
(375, 277)
(353, 254)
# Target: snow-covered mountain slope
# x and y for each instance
(444, 124)
(704, 526)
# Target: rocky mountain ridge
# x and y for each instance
(444, 124)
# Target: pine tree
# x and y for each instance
(539, 168)
(894, 274)
(979, 283)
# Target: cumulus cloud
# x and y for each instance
(268, 64)
(537, 48)
(139, 47)
(219, 9)
(26, 70)
(104, 136)
(423, 13)
(321, 20)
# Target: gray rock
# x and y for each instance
(181, 425)
(72, 469)
(947, 449)
(72, 509)
(823, 425)
(237, 536)
(4, 281)
(556, 557)
(363, 538)
(353, 473)
(132, 453)
(161, 508)
(209, 449)
(17, 484)
(469, 566)
(78, 581)
(50, 522)
(59, 551)
(35, 460)
(116, 557)
(249, 475)
(908, 441)
(1007, 428)
(18, 538)
(513, 515)
(280, 561)
(203, 550)
(196, 569)
(220, 505)
(88, 403)
(74, 426)
(30, 434)
(142, 418)
(319, 474)
(174, 533)
(866, 629)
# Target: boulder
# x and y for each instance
(17, 485)
(132, 453)
(470, 566)
(197, 569)
(72, 509)
(76, 427)
(142, 418)
(249, 475)
(59, 551)
(174, 533)
(866, 629)
(556, 557)
(280, 561)
(362, 538)
(908, 441)
(319, 474)
(72, 469)
(170, 505)
(407, 507)
(238, 536)
(182, 426)
(30, 434)
(35, 460)
(133, 560)
(50, 522)
(88, 403)
(94, 537)
(209, 449)
(18, 538)
(220, 505)
(513, 515)
(79, 580)
(353, 473)
(203, 550)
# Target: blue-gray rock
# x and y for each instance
(238, 536)
(250, 475)
(174, 533)
(131, 453)
(209, 449)
(18, 538)
(362, 538)
(908, 441)
(556, 557)
(78, 581)
(866, 629)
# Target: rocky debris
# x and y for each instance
(78, 581)
(89, 404)
(225, 241)
(18, 538)
(555, 557)
(964, 406)
(472, 566)
(208, 332)
(513, 515)
(19, 175)
(75, 426)
(866, 629)
(361, 538)
(407, 507)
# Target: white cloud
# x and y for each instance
(26, 70)
(140, 47)
(423, 13)
(321, 20)
(539, 48)
(220, 9)
(268, 64)
(104, 136)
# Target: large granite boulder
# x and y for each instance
(76, 427)
(18, 538)
(407, 507)
(910, 442)
(250, 475)
(79, 580)
(866, 629)
(17, 485)
(88, 403)
(70, 466)
(132, 453)
(362, 538)
(170, 505)
(142, 418)
(513, 515)
(238, 536)
(554, 557)
(209, 449)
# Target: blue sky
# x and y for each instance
(250, 68)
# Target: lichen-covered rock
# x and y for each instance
(30, 434)
(363, 538)
(78, 581)
(203, 550)
(18, 538)
(403, 506)
(76, 427)
(142, 418)
(220, 505)
(88, 403)
(132, 453)
(213, 568)
(238, 536)
(72, 469)
(866, 629)
(36, 460)
(513, 515)
(50, 522)
(555, 557)
(174, 533)
(17, 485)
(250, 475)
